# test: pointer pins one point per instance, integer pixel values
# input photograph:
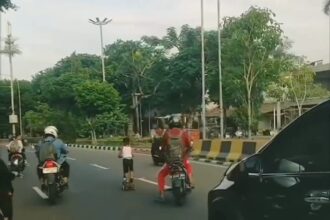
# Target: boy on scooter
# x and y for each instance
(126, 153)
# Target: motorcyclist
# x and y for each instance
(15, 146)
(51, 135)
(174, 131)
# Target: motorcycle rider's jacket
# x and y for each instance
(61, 149)
(52, 148)
(46, 149)
(177, 144)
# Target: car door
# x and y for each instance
(293, 178)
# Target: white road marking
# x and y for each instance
(98, 166)
(70, 158)
(151, 182)
(40, 193)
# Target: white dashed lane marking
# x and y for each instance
(70, 158)
(151, 182)
(98, 166)
(40, 193)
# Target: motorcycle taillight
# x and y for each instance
(50, 164)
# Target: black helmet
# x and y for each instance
(175, 121)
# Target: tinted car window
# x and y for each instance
(303, 146)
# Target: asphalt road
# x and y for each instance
(95, 190)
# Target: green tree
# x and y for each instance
(132, 67)
(182, 83)
(5, 108)
(55, 87)
(251, 58)
(297, 85)
(99, 103)
(326, 8)
(6, 4)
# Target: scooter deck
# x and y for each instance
(128, 187)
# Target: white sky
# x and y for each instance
(48, 30)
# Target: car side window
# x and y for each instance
(252, 164)
(304, 146)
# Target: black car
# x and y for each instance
(157, 151)
(289, 178)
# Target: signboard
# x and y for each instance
(13, 119)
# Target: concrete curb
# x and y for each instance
(110, 148)
(84, 146)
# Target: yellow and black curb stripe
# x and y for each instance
(227, 150)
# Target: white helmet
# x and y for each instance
(52, 130)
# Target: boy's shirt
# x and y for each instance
(127, 152)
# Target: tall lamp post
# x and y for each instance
(20, 109)
(0, 45)
(11, 49)
(100, 23)
(220, 74)
(203, 71)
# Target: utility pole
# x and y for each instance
(100, 23)
(0, 45)
(10, 49)
(220, 74)
(20, 109)
(203, 71)
(13, 116)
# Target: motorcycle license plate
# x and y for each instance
(49, 170)
(180, 176)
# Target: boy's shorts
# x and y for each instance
(127, 165)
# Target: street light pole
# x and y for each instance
(220, 74)
(203, 70)
(0, 45)
(11, 49)
(100, 24)
(11, 76)
(20, 109)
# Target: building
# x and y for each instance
(289, 110)
(322, 74)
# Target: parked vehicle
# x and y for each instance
(289, 178)
(157, 151)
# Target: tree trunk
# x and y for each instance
(136, 109)
(249, 115)
(94, 140)
(93, 133)
(278, 110)
(299, 109)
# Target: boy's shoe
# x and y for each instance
(192, 186)
(66, 186)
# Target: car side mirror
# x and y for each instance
(253, 164)
(253, 167)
